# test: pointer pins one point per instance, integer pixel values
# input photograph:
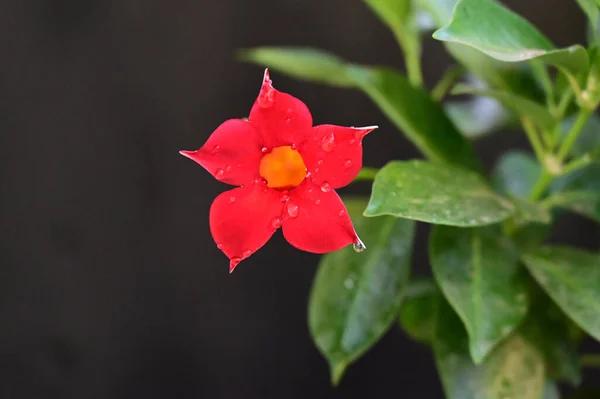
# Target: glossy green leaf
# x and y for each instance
(519, 105)
(585, 179)
(477, 117)
(530, 212)
(435, 193)
(477, 270)
(591, 10)
(356, 296)
(572, 279)
(548, 329)
(418, 310)
(515, 173)
(410, 108)
(491, 28)
(513, 370)
(585, 203)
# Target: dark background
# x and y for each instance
(110, 283)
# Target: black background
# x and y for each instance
(110, 283)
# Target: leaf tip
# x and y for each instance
(337, 371)
(441, 34)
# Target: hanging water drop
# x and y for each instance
(325, 187)
(219, 173)
(264, 150)
(293, 146)
(247, 253)
(359, 246)
(276, 223)
(292, 209)
(328, 142)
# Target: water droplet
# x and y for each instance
(276, 223)
(342, 212)
(219, 173)
(285, 198)
(232, 199)
(216, 149)
(348, 163)
(220, 246)
(328, 142)
(317, 170)
(349, 283)
(227, 168)
(359, 246)
(247, 253)
(288, 120)
(325, 187)
(292, 209)
(352, 141)
(233, 262)
(264, 150)
(310, 189)
(294, 147)
(317, 202)
(320, 162)
(266, 98)
(308, 174)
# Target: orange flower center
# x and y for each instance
(283, 167)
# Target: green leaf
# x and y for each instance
(550, 390)
(585, 203)
(585, 179)
(530, 212)
(418, 310)
(519, 105)
(477, 270)
(477, 117)
(549, 330)
(513, 370)
(515, 173)
(410, 108)
(591, 10)
(572, 279)
(301, 63)
(491, 28)
(356, 296)
(435, 193)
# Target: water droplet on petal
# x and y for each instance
(266, 98)
(227, 168)
(220, 246)
(233, 262)
(359, 246)
(276, 223)
(292, 209)
(285, 198)
(264, 150)
(288, 120)
(320, 162)
(293, 146)
(325, 187)
(317, 170)
(216, 149)
(317, 202)
(342, 212)
(352, 141)
(348, 163)
(247, 253)
(232, 199)
(219, 173)
(328, 142)
(310, 189)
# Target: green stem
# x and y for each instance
(590, 360)
(413, 68)
(576, 129)
(541, 73)
(534, 139)
(576, 164)
(444, 85)
(540, 186)
(366, 174)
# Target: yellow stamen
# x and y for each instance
(283, 167)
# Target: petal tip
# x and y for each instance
(186, 153)
(266, 76)
(233, 262)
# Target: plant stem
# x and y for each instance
(590, 360)
(534, 139)
(541, 73)
(413, 68)
(444, 85)
(576, 165)
(540, 186)
(574, 133)
(366, 174)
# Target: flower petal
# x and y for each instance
(231, 154)
(243, 219)
(280, 118)
(316, 220)
(333, 154)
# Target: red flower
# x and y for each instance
(287, 170)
